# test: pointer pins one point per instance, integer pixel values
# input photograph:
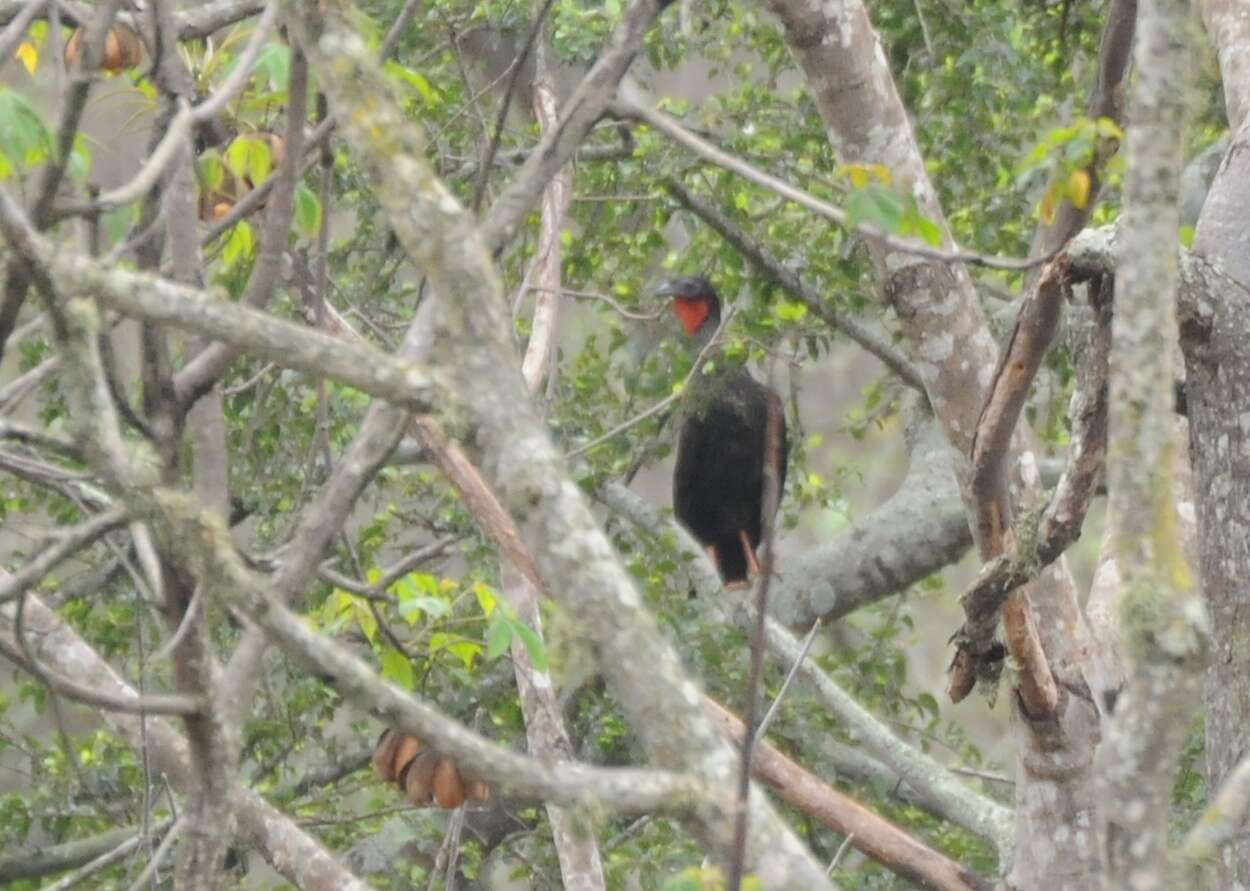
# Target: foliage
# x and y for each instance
(993, 89)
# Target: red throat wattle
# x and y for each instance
(691, 311)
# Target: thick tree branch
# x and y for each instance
(991, 449)
(878, 838)
(1036, 542)
(298, 857)
(148, 297)
(1162, 616)
(933, 785)
(473, 342)
(45, 861)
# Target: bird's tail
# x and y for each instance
(731, 561)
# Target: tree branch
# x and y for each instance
(582, 109)
(789, 281)
(675, 131)
(1036, 542)
(878, 838)
(298, 857)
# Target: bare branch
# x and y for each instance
(51, 859)
(104, 861)
(795, 286)
(298, 857)
(879, 839)
(158, 300)
(583, 108)
(991, 448)
(674, 130)
(1035, 544)
(68, 543)
(933, 785)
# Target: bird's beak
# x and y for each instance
(668, 289)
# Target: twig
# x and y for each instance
(71, 542)
(785, 685)
(790, 282)
(837, 858)
(663, 403)
(770, 501)
(184, 625)
(592, 295)
(493, 146)
(162, 851)
(674, 130)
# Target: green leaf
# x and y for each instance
(460, 647)
(498, 635)
(397, 668)
(249, 156)
(928, 230)
(212, 171)
(414, 79)
(24, 138)
(412, 607)
(274, 63)
(532, 642)
(487, 598)
(307, 210)
(238, 245)
(790, 312)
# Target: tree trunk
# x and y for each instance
(1217, 364)
(951, 345)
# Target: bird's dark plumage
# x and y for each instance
(718, 483)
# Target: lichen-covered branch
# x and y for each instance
(1162, 618)
(298, 857)
(933, 786)
(878, 838)
(158, 300)
(519, 460)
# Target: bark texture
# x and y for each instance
(1161, 617)
(951, 346)
(298, 857)
(1217, 365)
(518, 458)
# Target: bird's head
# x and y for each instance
(695, 304)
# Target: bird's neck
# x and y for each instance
(706, 331)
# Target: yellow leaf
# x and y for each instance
(1078, 188)
(28, 56)
(1047, 208)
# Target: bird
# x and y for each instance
(723, 445)
(424, 776)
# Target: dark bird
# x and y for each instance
(722, 449)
